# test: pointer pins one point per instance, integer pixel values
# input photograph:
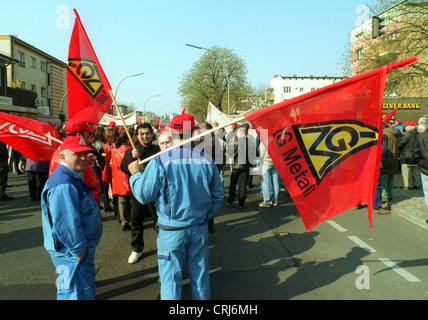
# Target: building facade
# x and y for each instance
(33, 83)
(287, 87)
(399, 38)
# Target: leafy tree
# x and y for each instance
(406, 27)
(208, 79)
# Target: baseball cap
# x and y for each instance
(410, 123)
(76, 125)
(183, 122)
(75, 144)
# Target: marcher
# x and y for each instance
(186, 186)
(144, 149)
(391, 165)
(79, 127)
(120, 184)
(269, 174)
(165, 139)
(4, 170)
(111, 136)
(214, 147)
(399, 126)
(420, 153)
(244, 149)
(100, 140)
(377, 200)
(71, 221)
(409, 170)
(37, 175)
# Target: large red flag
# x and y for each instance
(325, 144)
(30, 137)
(87, 85)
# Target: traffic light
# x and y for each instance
(376, 27)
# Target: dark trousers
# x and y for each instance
(36, 183)
(138, 212)
(4, 169)
(377, 201)
(234, 177)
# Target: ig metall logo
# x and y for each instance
(325, 145)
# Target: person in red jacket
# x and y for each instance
(79, 127)
(111, 137)
(120, 184)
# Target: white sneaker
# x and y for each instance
(133, 258)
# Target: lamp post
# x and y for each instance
(157, 95)
(228, 76)
(132, 75)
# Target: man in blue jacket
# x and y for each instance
(72, 224)
(186, 186)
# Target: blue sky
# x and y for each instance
(273, 37)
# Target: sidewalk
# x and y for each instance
(410, 205)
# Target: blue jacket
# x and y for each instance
(71, 218)
(185, 184)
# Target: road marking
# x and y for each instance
(362, 244)
(337, 226)
(406, 275)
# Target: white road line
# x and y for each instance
(337, 226)
(406, 275)
(362, 244)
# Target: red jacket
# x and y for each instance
(120, 183)
(106, 176)
(89, 175)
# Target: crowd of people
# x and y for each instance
(101, 168)
(405, 152)
(112, 167)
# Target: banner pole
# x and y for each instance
(54, 139)
(123, 122)
(192, 139)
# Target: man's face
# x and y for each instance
(75, 160)
(144, 136)
(165, 140)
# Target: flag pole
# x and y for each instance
(54, 139)
(123, 121)
(192, 139)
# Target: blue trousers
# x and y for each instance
(176, 247)
(76, 279)
(377, 201)
(270, 179)
(424, 180)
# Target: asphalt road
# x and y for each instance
(255, 254)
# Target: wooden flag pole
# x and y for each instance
(123, 122)
(192, 139)
(54, 139)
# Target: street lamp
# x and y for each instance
(157, 95)
(228, 76)
(132, 75)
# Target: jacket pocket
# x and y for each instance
(164, 255)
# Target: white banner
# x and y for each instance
(215, 115)
(130, 119)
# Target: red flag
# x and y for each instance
(87, 85)
(325, 144)
(389, 115)
(157, 121)
(183, 111)
(30, 137)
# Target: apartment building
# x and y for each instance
(286, 87)
(401, 36)
(32, 82)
